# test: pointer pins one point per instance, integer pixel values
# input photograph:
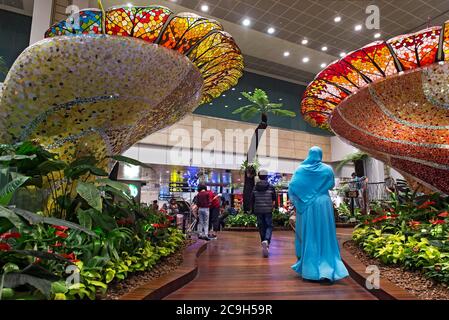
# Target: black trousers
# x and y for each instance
(265, 225)
(214, 221)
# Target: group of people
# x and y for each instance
(206, 206)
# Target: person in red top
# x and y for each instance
(214, 214)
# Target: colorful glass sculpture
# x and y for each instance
(215, 51)
(391, 100)
(103, 80)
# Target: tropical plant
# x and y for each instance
(242, 220)
(352, 157)
(260, 104)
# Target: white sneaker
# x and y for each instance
(265, 249)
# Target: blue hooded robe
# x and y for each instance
(316, 242)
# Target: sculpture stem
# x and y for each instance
(103, 17)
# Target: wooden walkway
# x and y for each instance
(232, 268)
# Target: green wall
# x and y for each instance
(278, 91)
(15, 32)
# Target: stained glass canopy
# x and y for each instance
(391, 99)
(212, 50)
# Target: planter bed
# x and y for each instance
(165, 266)
(412, 281)
(346, 224)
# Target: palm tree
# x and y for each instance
(260, 104)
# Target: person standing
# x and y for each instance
(316, 242)
(214, 214)
(203, 201)
(263, 201)
(155, 206)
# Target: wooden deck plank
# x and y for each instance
(233, 268)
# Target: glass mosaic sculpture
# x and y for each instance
(103, 80)
(202, 40)
(391, 99)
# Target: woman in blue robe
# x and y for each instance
(316, 242)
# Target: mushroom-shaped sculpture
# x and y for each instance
(103, 80)
(391, 100)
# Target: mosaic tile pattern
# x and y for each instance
(203, 40)
(391, 99)
(396, 122)
(90, 93)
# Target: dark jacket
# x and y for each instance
(262, 198)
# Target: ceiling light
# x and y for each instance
(323, 65)
(358, 27)
(226, 106)
(304, 41)
(377, 35)
(246, 22)
(286, 53)
(240, 98)
(342, 54)
(337, 19)
(305, 59)
(129, 4)
(204, 8)
(224, 95)
(324, 48)
(271, 30)
(233, 89)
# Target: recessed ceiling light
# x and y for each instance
(305, 59)
(323, 48)
(280, 99)
(226, 106)
(210, 103)
(377, 35)
(358, 27)
(286, 53)
(246, 22)
(337, 19)
(323, 65)
(233, 89)
(240, 98)
(204, 8)
(224, 95)
(304, 41)
(342, 54)
(271, 30)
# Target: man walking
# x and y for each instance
(203, 201)
(263, 201)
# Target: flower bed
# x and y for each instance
(413, 235)
(88, 233)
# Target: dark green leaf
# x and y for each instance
(11, 216)
(41, 254)
(91, 194)
(49, 166)
(8, 190)
(11, 157)
(33, 218)
(14, 280)
(129, 161)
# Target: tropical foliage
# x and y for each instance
(412, 233)
(260, 104)
(88, 232)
